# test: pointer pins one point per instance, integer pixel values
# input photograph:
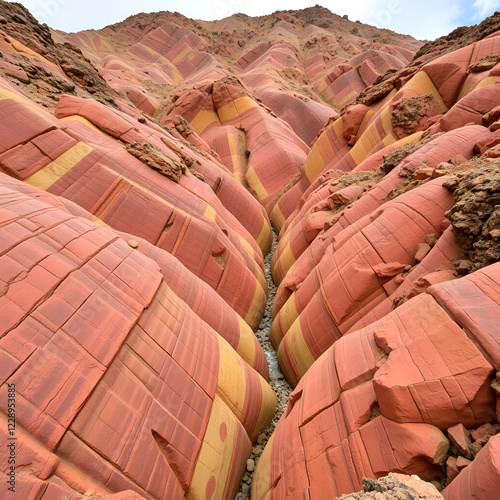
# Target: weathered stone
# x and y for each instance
(460, 437)
(452, 469)
(422, 250)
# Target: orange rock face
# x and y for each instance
(110, 366)
(380, 399)
(142, 169)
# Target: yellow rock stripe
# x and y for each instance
(51, 173)
(255, 311)
(277, 217)
(86, 122)
(210, 213)
(236, 159)
(246, 345)
(255, 183)
(182, 55)
(230, 383)
(236, 108)
(214, 460)
(203, 119)
(7, 94)
(265, 238)
(298, 349)
(322, 151)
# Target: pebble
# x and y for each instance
(250, 465)
(245, 489)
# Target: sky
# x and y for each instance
(423, 19)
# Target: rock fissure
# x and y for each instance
(276, 379)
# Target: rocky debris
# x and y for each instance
(422, 250)
(413, 114)
(491, 119)
(423, 173)
(66, 58)
(82, 73)
(483, 431)
(421, 285)
(393, 159)
(287, 18)
(228, 43)
(361, 179)
(13, 70)
(482, 435)
(462, 463)
(475, 217)
(480, 478)
(156, 159)
(396, 487)
(374, 93)
(45, 79)
(484, 64)
(460, 438)
(198, 175)
(277, 380)
(452, 469)
(19, 23)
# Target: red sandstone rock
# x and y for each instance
(480, 432)
(412, 374)
(452, 469)
(460, 438)
(124, 495)
(423, 173)
(422, 284)
(462, 463)
(479, 479)
(422, 250)
(82, 311)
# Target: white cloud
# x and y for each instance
(485, 8)
(424, 19)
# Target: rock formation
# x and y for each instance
(143, 168)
